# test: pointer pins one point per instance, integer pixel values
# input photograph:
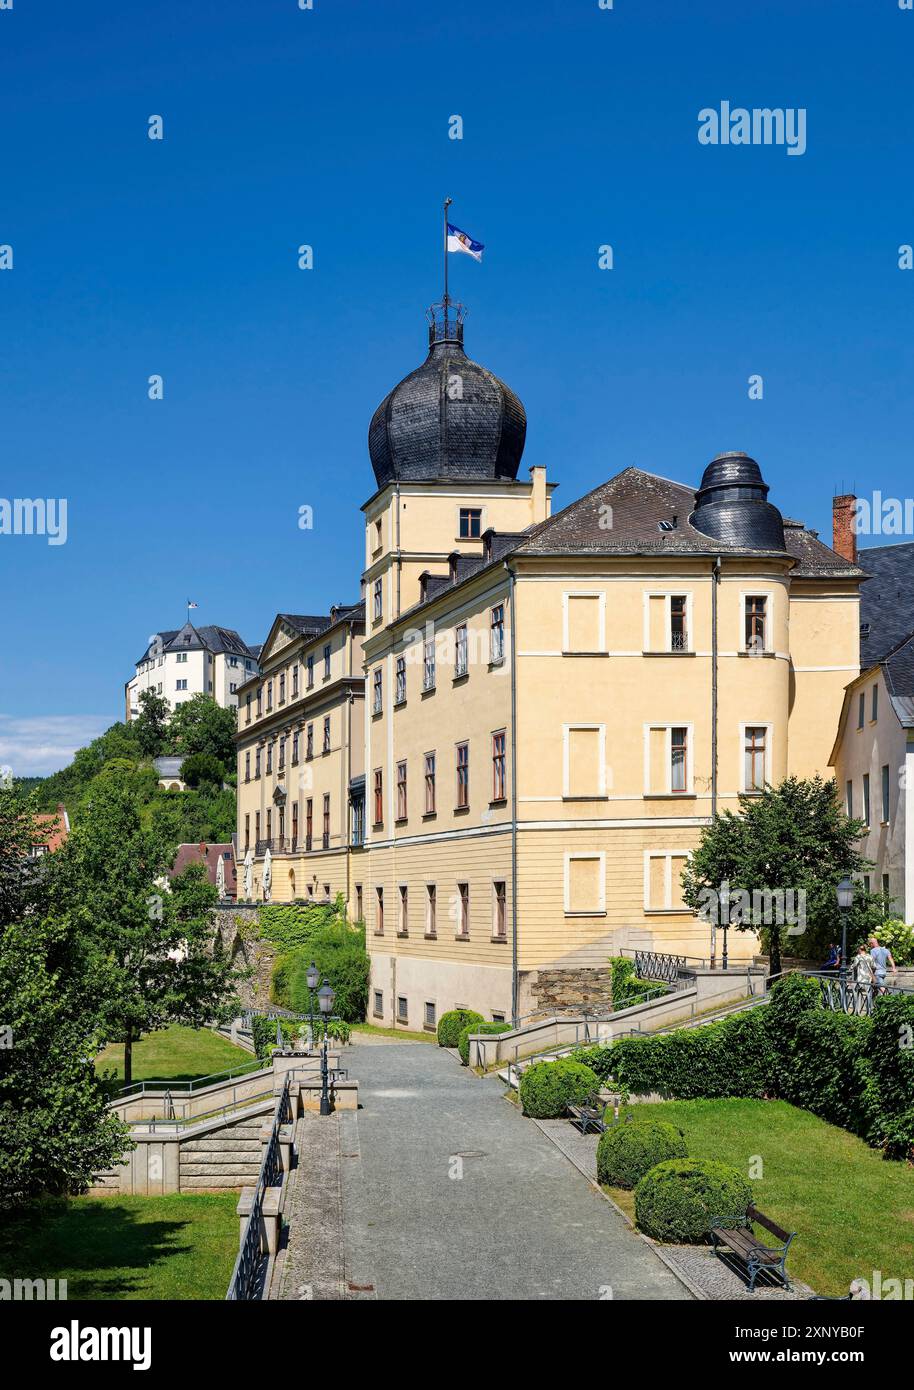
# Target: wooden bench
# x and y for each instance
(757, 1256)
(589, 1114)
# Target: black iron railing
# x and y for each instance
(246, 1284)
(654, 965)
(845, 996)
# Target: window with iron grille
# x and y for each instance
(756, 623)
(499, 781)
(429, 784)
(463, 775)
(401, 791)
(378, 1004)
(430, 1014)
(679, 634)
(402, 1012)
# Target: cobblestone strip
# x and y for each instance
(313, 1258)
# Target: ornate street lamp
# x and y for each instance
(312, 975)
(845, 895)
(325, 998)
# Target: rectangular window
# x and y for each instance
(269, 695)
(756, 623)
(327, 734)
(378, 600)
(499, 910)
(325, 839)
(499, 780)
(269, 758)
(861, 709)
(463, 891)
(583, 773)
(257, 826)
(428, 670)
(378, 1004)
(247, 709)
(257, 762)
(295, 744)
(377, 678)
(358, 902)
(755, 750)
(379, 910)
(309, 667)
(874, 707)
(247, 832)
(294, 681)
(431, 906)
(181, 656)
(679, 632)
(663, 880)
(377, 534)
(463, 775)
(282, 754)
(401, 791)
(679, 760)
(460, 654)
(403, 925)
(259, 701)
(282, 688)
(431, 1020)
(309, 823)
(181, 685)
(585, 884)
(584, 623)
(309, 742)
(402, 1011)
(269, 825)
(429, 784)
(470, 523)
(327, 662)
(378, 797)
(247, 767)
(849, 797)
(866, 798)
(295, 825)
(497, 634)
(401, 680)
(885, 793)
(885, 893)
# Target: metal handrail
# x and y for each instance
(245, 1283)
(199, 1083)
(173, 1123)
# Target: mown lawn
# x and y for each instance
(176, 1054)
(403, 1033)
(852, 1210)
(177, 1247)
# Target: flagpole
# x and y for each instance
(447, 204)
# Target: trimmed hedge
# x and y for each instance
(463, 1042)
(452, 1024)
(628, 1151)
(732, 1058)
(680, 1199)
(597, 1057)
(548, 1088)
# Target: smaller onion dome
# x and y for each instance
(731, 505)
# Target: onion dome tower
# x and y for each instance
(731, 505)
(449, 419)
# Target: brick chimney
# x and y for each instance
(844, 537)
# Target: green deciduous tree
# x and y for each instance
(199, 725)
(151, 726)
(791, 838)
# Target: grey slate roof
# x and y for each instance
(886, 599)
(423, 430)
(622, 517)
(207, 638)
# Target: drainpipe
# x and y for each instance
(715, 581)
(512, 611)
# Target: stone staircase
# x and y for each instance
(227, 1158)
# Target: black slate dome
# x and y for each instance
(450, 418)
(731, 505)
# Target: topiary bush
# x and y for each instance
(680, 1199)
(548, 1088)
(463, 1042)
(627, 1152)
(452, 1024)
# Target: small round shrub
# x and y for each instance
(452, 1024)
(463, 1042)
(627, 1152)
(548, 1088)
(682, 1198)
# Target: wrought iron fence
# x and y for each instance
(654, 965)
(845, 996)
(246, 1284)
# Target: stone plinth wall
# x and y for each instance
(237, 926)
(551, 991)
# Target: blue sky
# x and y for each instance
(330, 127)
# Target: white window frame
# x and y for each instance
(667, 595)
(668, 757)
(601, 620)
(570, 855)
(566, 760)
(668, 855)
(768, 596)
(769, 737)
